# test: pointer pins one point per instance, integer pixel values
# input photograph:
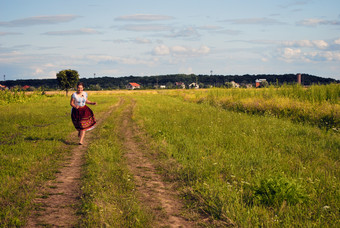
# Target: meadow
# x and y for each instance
(249, 170)
(318, 104)
(274, 166)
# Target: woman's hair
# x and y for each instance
(80, 83)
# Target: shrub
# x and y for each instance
(275, 191)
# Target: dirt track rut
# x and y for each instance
(159, 196)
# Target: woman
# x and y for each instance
(82, 116)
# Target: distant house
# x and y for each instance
(235, 85)
(162, 86)
(258, 82)
(180, 85)
(25, 87)
(133, 85)
(2, 87)
(194, 85)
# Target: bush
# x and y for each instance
(275, 191)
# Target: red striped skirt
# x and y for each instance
(83, 118)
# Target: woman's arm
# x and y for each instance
(72, 103)
(90, 102)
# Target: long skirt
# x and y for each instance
(83, 118)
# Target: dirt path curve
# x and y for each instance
(58, 200)
(154, 193)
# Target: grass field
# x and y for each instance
(33, 135)
(237, 166)
(318, 105)
(246, 169)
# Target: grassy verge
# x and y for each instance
(108, 189)
(243, 169)
(33, 142)
(16, 96)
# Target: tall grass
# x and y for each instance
(247, 170)
(318, 105)
(17, 96)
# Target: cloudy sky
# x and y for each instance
(38, 38)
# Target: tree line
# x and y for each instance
(150, 82)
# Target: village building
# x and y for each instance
(3, 87)
(194, 85)
(235, 85)
(180, 85)
(258, 82)
(133, 85)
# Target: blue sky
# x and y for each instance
(38, 38)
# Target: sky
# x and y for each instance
(39, 38)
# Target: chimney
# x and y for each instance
(299, 79)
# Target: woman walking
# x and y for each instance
(82, 116)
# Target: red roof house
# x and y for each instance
(133, 85)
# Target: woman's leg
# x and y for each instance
(82, 135)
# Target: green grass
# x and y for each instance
(16, 96)
(242, 168)
(318, 105)
(109, 197)
(248, 170)
(33, 141)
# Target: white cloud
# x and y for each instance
(209, 27)
(9, 33)
(83, 31)
(39, 20)
(321, 44)
(251, 21)
(202, 50)
(161, 50)
(290, 53)
(186, 32)
(144, 17)
(180, 50)
(107, 59)
(145, 27)
(316, 21)
(298, 43)
(38, 71)
(229, 32)
(294, 3)
(337, 41)
(324, 56)
(139, 40)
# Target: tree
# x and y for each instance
(67, 79)
(264, 84)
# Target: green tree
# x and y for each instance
(67, 79)
(228, 85)
(264, 84)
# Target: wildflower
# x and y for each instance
(326, 207)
